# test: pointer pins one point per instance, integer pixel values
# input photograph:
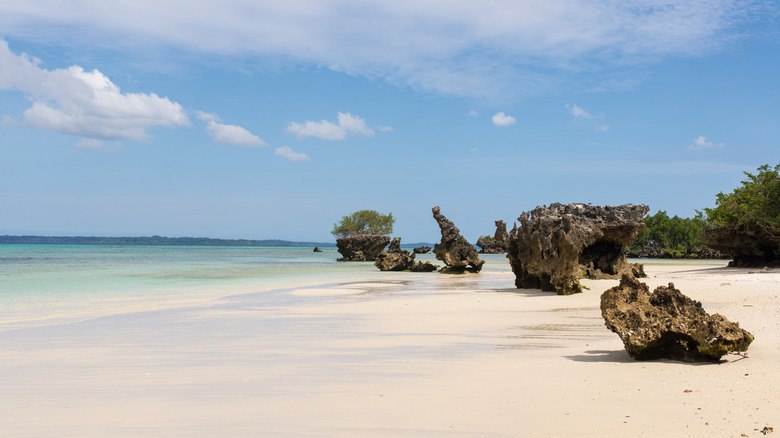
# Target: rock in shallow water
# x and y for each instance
(361, 247)
(667, 324)
(454, 250)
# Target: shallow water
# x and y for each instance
(45, 284)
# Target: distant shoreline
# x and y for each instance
(153, 240)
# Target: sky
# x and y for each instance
(272, 120)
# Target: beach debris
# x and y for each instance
(667, 324)
(496, 244)
(397, 259)
(555, 246)
(767, 429)
(361, 247)
(454, 250)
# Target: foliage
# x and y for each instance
(675, 236)
(364, 222)
(757, 201)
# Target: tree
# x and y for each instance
(364, 222)
(674, 236)
(757, 202)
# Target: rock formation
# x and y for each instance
(501, 234)
(361, 247)
(555, 246)
(397, 259)
(317, 249)
(422, 250)
(748, 245)
(454, 250)
(667, 324)
(496, 244)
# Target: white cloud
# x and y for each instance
(287, 152)
(501, 119)
(474, 149)
(472, 113)
(702, 143)
(602, 128)
(347, 124)
(229, 134)
(386, 129)
(506, 49)
(84, 103)
(578, 112)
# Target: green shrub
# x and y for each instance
(364, 222)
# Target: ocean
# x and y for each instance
(50, 284)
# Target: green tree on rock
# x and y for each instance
(364, 222)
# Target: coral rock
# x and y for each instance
(361, 247)
(667, 324)
(555, 246)
(748, 245)
(454, 250)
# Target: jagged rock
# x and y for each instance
(422, 250)
(395, 245)
(396, 259)
(454, 250)
(488, 245)
(748, 245)
(317, 249)
(424, 267)
(496, 244)
(361, 247)
(501, 234)
(555, 246)
(667, 324)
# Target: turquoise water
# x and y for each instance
(46, 284)
(55, 282)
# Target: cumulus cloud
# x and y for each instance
(501, 119)
(84, 103)
(506, 49)
(287, 152)
(472, 113)
(347, 124)
(229, 134)
(702, 143)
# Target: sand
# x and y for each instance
(399, 354)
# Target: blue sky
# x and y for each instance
(271, 120)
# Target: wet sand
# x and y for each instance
(399, 354)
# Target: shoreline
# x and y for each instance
(401, 354)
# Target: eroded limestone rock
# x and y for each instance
(667, 324)
(748, 245)
(422, 250)
(555, 246)
(361, 247)
(496, 244)
(454, 250)
(397, 259)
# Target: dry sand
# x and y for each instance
(398, 355)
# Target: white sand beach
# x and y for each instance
(396, 354)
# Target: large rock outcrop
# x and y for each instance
(361, 247)
(397, 259)
(454, 250)
(748, 245)
(667, 324)
(496, 244)
(555, 246)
